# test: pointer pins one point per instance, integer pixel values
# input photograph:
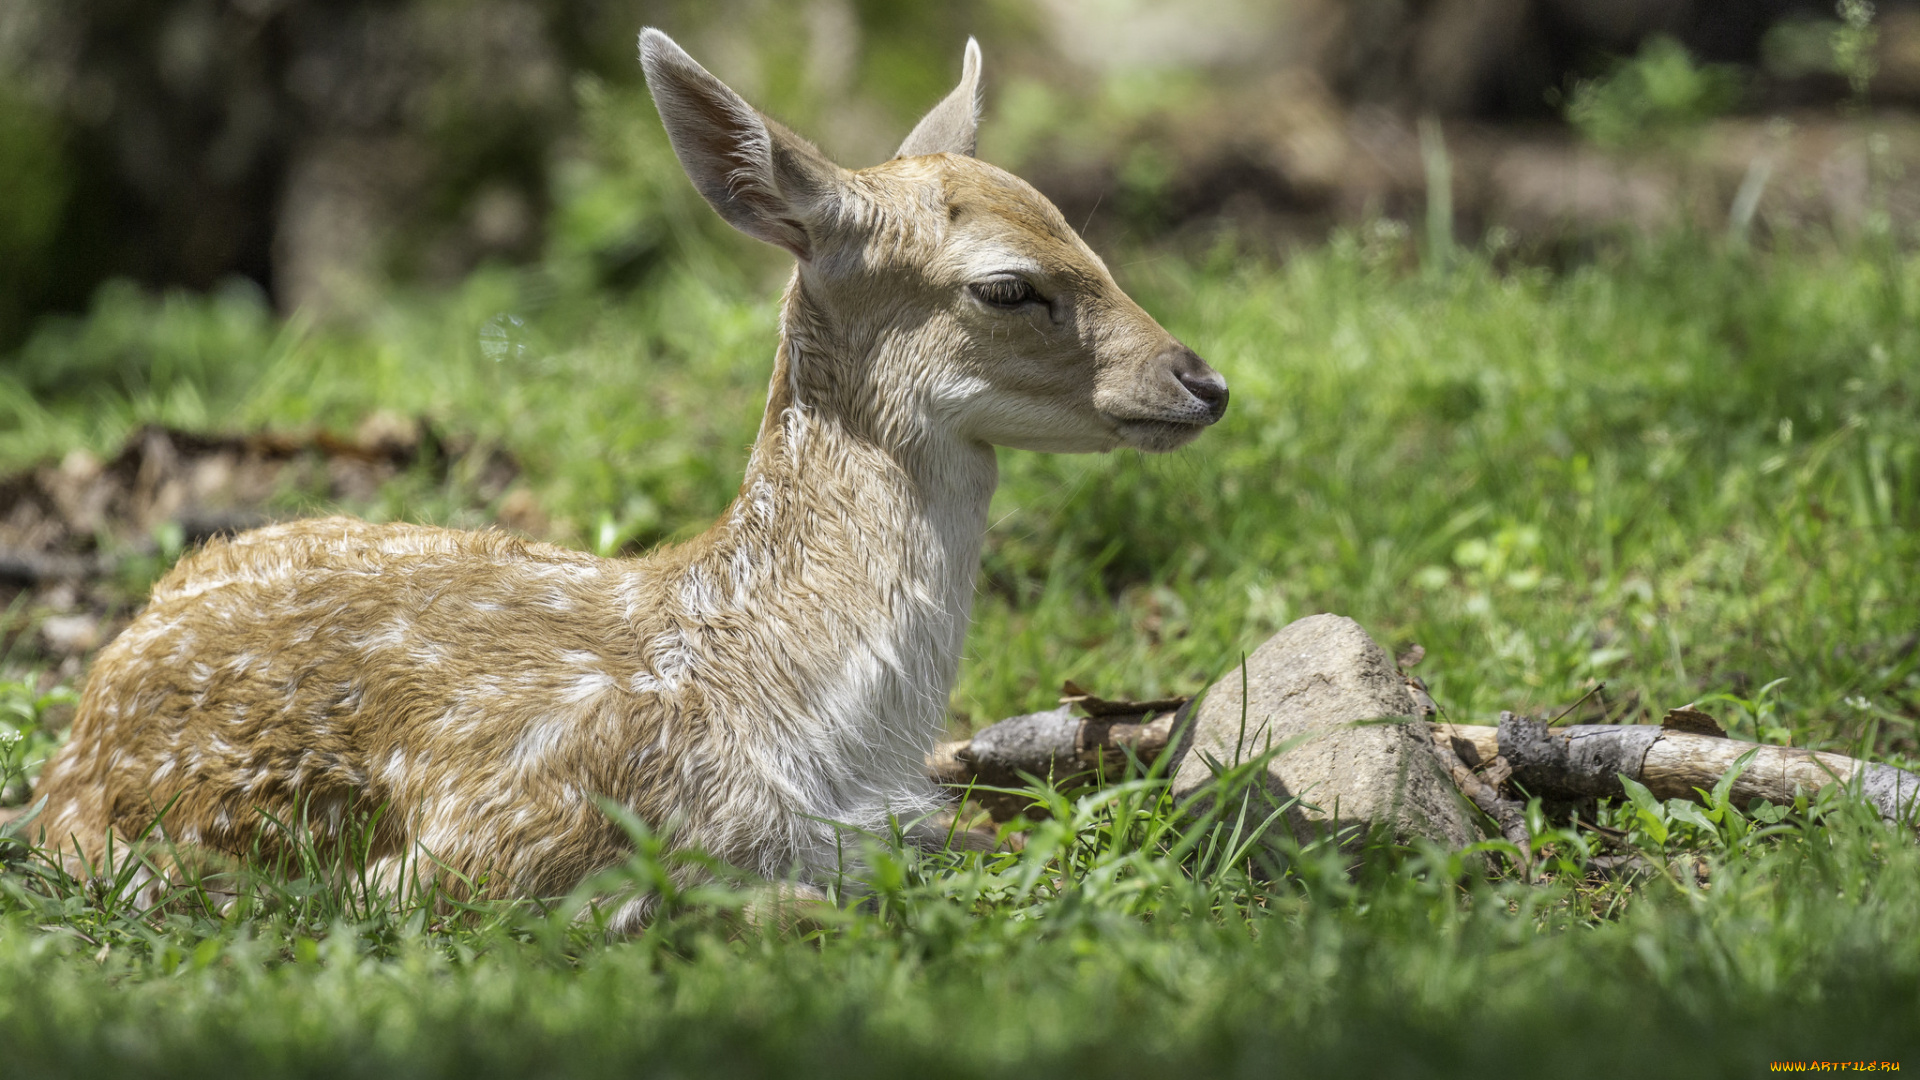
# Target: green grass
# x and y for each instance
(1688, 472)
(1091, 953)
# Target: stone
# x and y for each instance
(1312, 688)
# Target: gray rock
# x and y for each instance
(1306, 689)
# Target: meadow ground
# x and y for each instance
(1687, 471)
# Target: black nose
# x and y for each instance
(1201, 381)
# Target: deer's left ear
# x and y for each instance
(952, 125)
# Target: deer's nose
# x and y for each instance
(1204, 383)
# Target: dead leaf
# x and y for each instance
(1468, 753)
(1691, 721)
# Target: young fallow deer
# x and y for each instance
(786, 670)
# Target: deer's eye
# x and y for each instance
(1006, 291)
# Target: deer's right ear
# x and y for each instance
(953, 125)
(765, 180)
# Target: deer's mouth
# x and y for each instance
(1158, 436)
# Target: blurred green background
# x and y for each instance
(321, 149)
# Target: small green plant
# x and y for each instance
(1657, 95)
(25, 735)
(1759, 717)
(1668, 833)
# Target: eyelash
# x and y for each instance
(1005, 292)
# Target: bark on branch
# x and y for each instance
(1056, 745)
(1588, 759)
(1509, 814)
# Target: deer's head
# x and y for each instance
(940, 291)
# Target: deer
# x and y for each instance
(754, 691)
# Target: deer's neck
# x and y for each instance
(849, 559)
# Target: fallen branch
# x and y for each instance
(1055, 745)
(1458, 762)
(1675, 759)
(1509, 814)
(1588, 759)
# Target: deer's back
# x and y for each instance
(477, 686)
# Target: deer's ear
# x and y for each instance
(953, 124)
(763, 179)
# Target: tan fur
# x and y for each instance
(786, 670)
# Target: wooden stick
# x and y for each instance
(1481, 742)
(1509, 814)
(1588, 759)
(1571, 762)
(1459, 758)
(1054, 744)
